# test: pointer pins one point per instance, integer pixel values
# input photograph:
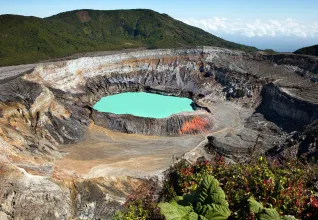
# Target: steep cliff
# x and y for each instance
(283, 108)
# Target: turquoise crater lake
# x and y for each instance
(143, 104)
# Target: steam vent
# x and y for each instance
(60, 158)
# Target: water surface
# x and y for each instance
(143, 104)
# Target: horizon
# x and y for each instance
(285, 27)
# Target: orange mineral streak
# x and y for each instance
(195, 125)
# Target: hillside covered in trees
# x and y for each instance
(30, 39)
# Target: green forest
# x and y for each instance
(31, 39)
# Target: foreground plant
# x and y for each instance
(207, 202)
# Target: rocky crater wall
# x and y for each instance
(56, 99)
(178, 124)
(51, 105)
(285, 110)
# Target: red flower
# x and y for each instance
(297, 202)
(270, 181)
(314, 202)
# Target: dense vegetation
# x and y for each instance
(259, 189)
(312, 50)
(29, 39)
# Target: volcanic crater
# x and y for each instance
(88, 161)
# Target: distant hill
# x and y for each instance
(30, 39)
(312, 50)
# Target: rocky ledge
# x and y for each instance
(177, 124)
(248, 104)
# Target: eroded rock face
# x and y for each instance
(179, 124)
(245, 105)
(27, 196)
(283, 108)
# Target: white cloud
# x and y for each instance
(257, 28)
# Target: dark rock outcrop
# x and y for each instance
(303, 144)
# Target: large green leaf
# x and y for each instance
(254, 206)
(209, 200)
(173, 211)
(268, 214)
(202, 218)
(217, 212)
(288, 217)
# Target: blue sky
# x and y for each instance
(283, 25)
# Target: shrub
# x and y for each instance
(285, 186)
(283, 189)
(140, 207)
(262, 213)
